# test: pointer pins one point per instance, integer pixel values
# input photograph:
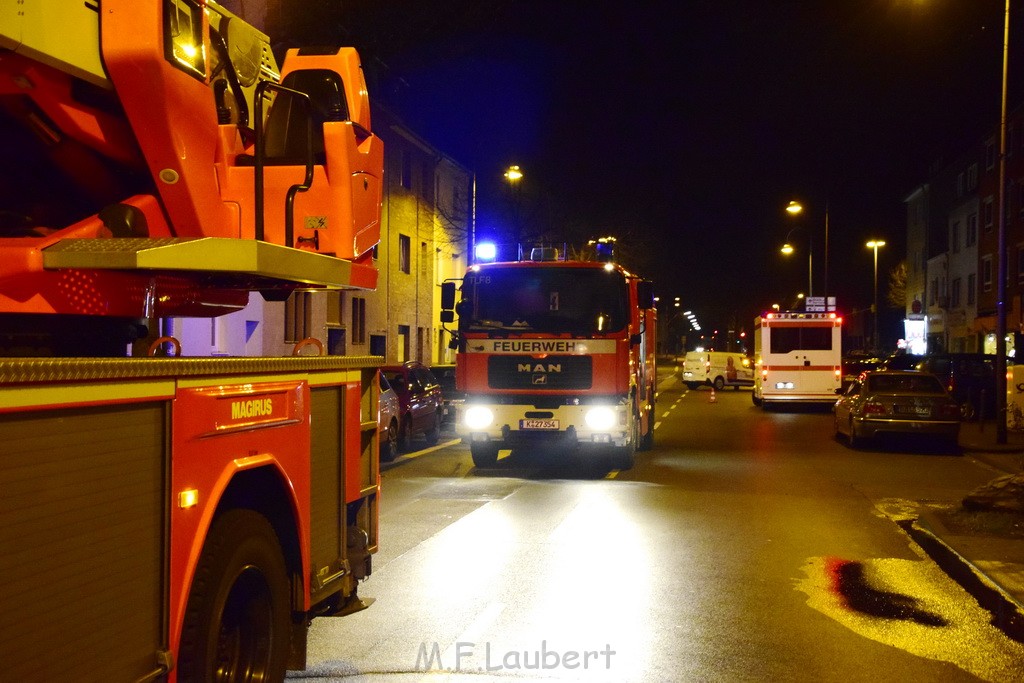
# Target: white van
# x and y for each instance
(719, 369)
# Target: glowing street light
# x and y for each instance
(788, 249)
(875, 244)
(795, 208)
(513, 174)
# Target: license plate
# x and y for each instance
(920, 411)
(538, 424)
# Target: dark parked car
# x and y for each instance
(452, 398)
(901, 361)
(853, 366)
(969, 377)
(388, 410)
(419, 397)
(908, 402)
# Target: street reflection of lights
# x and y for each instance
(568, 607)
(470, 556)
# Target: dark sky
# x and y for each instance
(684, 128)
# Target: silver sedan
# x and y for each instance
(897, 402)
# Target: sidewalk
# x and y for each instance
(984, 550)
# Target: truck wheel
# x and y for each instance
(238, 620)
(647, 442)
(389, 448)
(434, 435)
(484, 454)
(755, 399)
(693, 385)
(719, 383)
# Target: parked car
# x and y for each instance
(451, 397)
(897, 401)
(901, 361)
(969, 377)
(853, 366)
(388, 411)
(419, 397)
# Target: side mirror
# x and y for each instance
(447, 298)
(447, 316)
(645, 294)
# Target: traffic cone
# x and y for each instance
(712, 398)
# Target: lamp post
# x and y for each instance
(1001, 249)
(514, 176)
(874, 245)
(795, 208)
(788, 249)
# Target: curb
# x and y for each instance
(1007, 613)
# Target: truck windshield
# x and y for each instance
(557, 300)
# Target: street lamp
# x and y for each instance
(788, 249)
(795, 208)
(513, 174)
(875, 244)
(1001, 268)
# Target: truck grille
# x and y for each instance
(553, 372)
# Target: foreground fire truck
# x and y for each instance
(555, 352)
(175, 518)
(798, 358)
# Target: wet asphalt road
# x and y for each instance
(747, 545)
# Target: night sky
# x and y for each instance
(684, 128)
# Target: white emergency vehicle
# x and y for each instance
(798, 358)
(718, 369)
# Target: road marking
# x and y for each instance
(416, 454)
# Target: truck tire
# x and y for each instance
(238, 620)
(484, 454)
(719, 383)
(647, 441)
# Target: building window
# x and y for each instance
(934, 299)
(972, 177)
(955, 238)
(987, 214)
(990, 155)
(972, 230)
(960, 184)
(358, 320)
(986, 273)
(972, 287)
(404, 254)
(954, 293)
(403, 343)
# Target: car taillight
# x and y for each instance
(949, 411)
(874, 408)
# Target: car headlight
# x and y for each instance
(478, 417)
(600, 418)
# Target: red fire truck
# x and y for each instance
(174, 518)
(553, 351)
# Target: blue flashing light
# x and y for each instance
(486, 251)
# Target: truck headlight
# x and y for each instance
(478, 417)
(600, 418)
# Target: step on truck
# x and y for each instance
(165, 517)
(554, 352)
